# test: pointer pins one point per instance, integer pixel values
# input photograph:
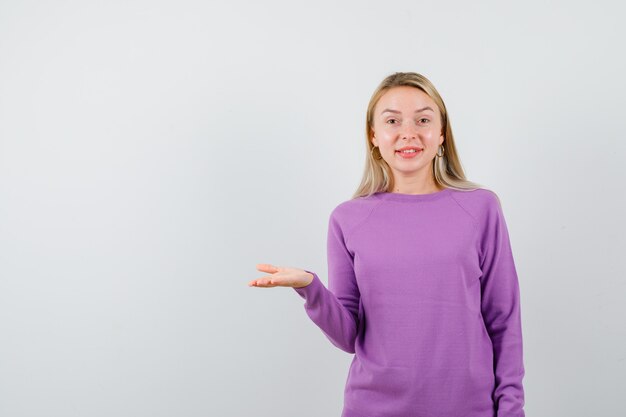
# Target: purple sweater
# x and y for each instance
(423, 290)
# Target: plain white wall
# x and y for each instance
(153, 152)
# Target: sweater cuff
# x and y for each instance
(311, 291)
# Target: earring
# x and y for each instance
(443, 151)
(372, 153)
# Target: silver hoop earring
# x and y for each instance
(443, 151)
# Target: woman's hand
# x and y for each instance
(282, 276)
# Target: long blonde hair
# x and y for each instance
(447, 170)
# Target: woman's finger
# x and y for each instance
(265, 282)
(261, 281)
(268, 281)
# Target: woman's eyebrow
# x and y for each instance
(416, 111)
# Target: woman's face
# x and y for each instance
(407, 117)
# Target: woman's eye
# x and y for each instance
(393, 121)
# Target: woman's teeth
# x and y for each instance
(409, 154)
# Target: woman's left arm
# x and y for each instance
(501, 311)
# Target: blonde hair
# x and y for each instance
(447, 170)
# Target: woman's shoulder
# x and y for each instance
(475, 194)
(478, 202)
(353, 211)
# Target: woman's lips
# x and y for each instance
(409, 155)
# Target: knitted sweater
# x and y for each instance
(423, 290)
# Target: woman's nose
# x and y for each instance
(409, 132)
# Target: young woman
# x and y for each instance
(422, 285)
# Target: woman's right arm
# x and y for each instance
(335, 310)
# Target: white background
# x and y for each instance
(153, 152)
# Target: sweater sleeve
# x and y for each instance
(500, 308)
(335, 310)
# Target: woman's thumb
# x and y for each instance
(267, 267)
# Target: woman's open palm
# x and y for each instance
(281, 276)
